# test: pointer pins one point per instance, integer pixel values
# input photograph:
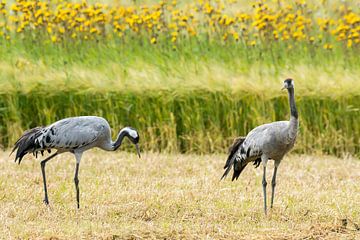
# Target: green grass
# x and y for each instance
(133, 66)
(195, 121)
(178, 196)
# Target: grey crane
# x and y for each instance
(75, 135)
(268, 141)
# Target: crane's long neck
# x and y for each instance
(115, 145)
(294, 114)
(293, 110)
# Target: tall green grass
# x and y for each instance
(137, 66)
(196, 98)
(130, 49)
(196, 121)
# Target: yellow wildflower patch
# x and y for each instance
(169, 21)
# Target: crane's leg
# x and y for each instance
(264, 183)
(76, 179)
(273, 183)
(43, 162)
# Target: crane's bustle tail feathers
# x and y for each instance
(233, 148)
(227, 170)
(231, 158)
(237, 172)
(26, 143)
(257, 162)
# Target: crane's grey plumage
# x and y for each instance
(268, 141)
(75, 135)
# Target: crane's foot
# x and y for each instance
(46, 201)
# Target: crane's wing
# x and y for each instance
(66, 135)
(71, 134)
(262, 138)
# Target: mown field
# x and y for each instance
(189, 76)
(178, 196)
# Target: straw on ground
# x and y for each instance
(179, 196)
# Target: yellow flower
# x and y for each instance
(225, 36)
(53, 38)
(229, 21)
(349, 43)
(289, 17)
(191, 31)
(182, 24)
(15, 8)
(153, 40)
(285, 36)
(236, 36)
(328, 46)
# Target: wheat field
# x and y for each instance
(176, 196)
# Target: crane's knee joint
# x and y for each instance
(42, 163)
(76, 180)
(273, 183)
(264, 183)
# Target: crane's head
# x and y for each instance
(288, 83)
(133, 135)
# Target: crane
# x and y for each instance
(74, 135)
(268, 141)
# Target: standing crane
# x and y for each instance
(75, 135)
(268, 141)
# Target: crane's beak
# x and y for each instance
(137, 149)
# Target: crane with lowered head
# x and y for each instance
(74, 135)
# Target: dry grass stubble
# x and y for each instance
(178, 196)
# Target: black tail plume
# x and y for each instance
(232, 150)
(26, 143)
(237, 171)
